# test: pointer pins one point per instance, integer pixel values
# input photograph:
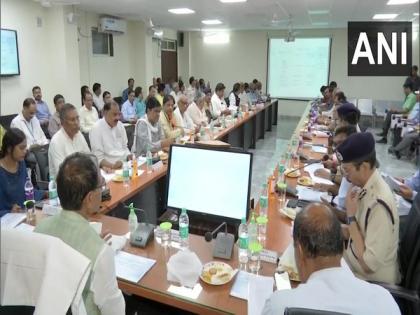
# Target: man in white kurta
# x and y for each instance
(182, 115)
(325, 284)
(108, 138)
(67, 140)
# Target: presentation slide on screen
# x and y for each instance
(297, 69)
(9, 53)
(208, 181)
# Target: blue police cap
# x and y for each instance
(356, 147)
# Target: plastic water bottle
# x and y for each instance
(52, 192)
(134, 166)
(29, 188)
(126, 174)
(149, 161)
(253, 229)
(184, 223)
(132, 219)
(264, 201)
(243, 244)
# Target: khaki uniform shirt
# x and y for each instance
(379, 227)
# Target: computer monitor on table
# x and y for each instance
(213, 184)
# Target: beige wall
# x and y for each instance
(48, 54)
(245, 58)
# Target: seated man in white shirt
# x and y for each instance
(197, 112)
(29, 124)
(175, 92)
(108, 139)
(97, 97)
(325, 284)
(218, 105)
(183, 117)
(88, 114)
(67, 140)
(79, 187)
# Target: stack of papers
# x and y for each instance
(11, 220)
(245, 282)
(308, 194)
(132, 267)
(311, 168)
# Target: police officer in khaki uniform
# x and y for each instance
(372, 216)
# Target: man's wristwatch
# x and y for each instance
(351, 219)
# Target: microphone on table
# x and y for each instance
(223, 245)
(304, 165)
(144, 232)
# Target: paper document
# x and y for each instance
(107, 176)
(282, 281)
(308, 194)
(240, 286)
(10, 220)
(25, 227)
(311, 168)
(260, 289)
(132, 267)
(318, 149)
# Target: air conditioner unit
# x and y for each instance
(112, 25)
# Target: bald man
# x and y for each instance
(325, 284)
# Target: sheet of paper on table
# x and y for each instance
(11, 220)
(319, 149)
(309, 194)
(25, 227)
(311, 168)
(260, 289)
(132, 267)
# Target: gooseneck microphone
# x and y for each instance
(223, 244)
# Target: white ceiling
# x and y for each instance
(253, 14)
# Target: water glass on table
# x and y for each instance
(254, 263)
(281, 187)
(165, 234)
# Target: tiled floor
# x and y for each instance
(268, 151)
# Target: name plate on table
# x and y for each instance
(269, 256)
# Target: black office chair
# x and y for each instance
(42, 166)
(407, 294)
(307, 311)
(6, 120)
(86, 135)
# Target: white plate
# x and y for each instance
(222, 273)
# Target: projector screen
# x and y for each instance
(209, 182)
(9, 53)
(297, 70)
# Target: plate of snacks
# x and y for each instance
(305, 181)
(291, 172)
(217, 273)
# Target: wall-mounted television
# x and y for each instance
(9, 53)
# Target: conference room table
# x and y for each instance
(148, 190)
(211, 299)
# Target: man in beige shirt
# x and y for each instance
(372, 217)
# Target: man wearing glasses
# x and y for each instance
(79, 187)
(372, 217)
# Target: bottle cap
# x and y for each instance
(165, 226)
(243, 220)
(262, 220)
(255, 247)
(184, 210)
(281, 185)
